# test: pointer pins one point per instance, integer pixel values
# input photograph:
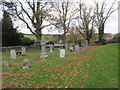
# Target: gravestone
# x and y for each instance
(18, 53)
(77, 49)
(59, 51)
(62, 53)
(51, 50)
(66, 46)
(13, 54)
(25, 64)
(23, 50)
(60, 41)
(43, 50)
(6, 64)
(71, 48)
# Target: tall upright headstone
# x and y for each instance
(51, 50)
(13, 54)
(62, 53)
(77, 49)
(59, 50)
(23, 50)
(43, 50)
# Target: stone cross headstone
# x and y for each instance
(43, 50)
(23, 50)
(25, 64)
(77, 49)
(13, 54)
(6, 64)
(51, 49)
(62, 53)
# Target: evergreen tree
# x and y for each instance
(10, 36)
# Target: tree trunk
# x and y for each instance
(39, 43)
(39, 37)
(101, 32)
(64, 35)
(64, 40)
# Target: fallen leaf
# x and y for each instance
(55, 83)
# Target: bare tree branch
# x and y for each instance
(22, 19)
(26, 12)
(103, 13)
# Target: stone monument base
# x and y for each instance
(44, 55)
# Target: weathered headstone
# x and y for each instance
(62, 53)
(13, 54)
(51, 49)
(43, 50)
(23, 50)
(60, 41)
(59, 50)
(71, 48)
(77, 49)
(18, 53)
(66, 46)
(6, 64)
(25, 64)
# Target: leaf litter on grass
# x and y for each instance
(60, 74)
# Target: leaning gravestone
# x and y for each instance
(13, 54)
(23, 50)
(77, 49)
(43, 50)
(62, 53)
(25, 64)
(6, 64)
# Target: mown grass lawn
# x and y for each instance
(58, 44)
(32, 37)
(94, 67)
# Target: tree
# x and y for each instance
(73, 35)
(0, 32)
(10, 36)
(85, 20)
(103, 12)
(32, 12)
(64, 16)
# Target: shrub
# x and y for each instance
(116, 38)
(109, 41)
(103, 41)
(26, 41)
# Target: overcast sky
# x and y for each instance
(111, 26)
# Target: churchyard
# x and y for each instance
(59, 44)
(89, 67)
